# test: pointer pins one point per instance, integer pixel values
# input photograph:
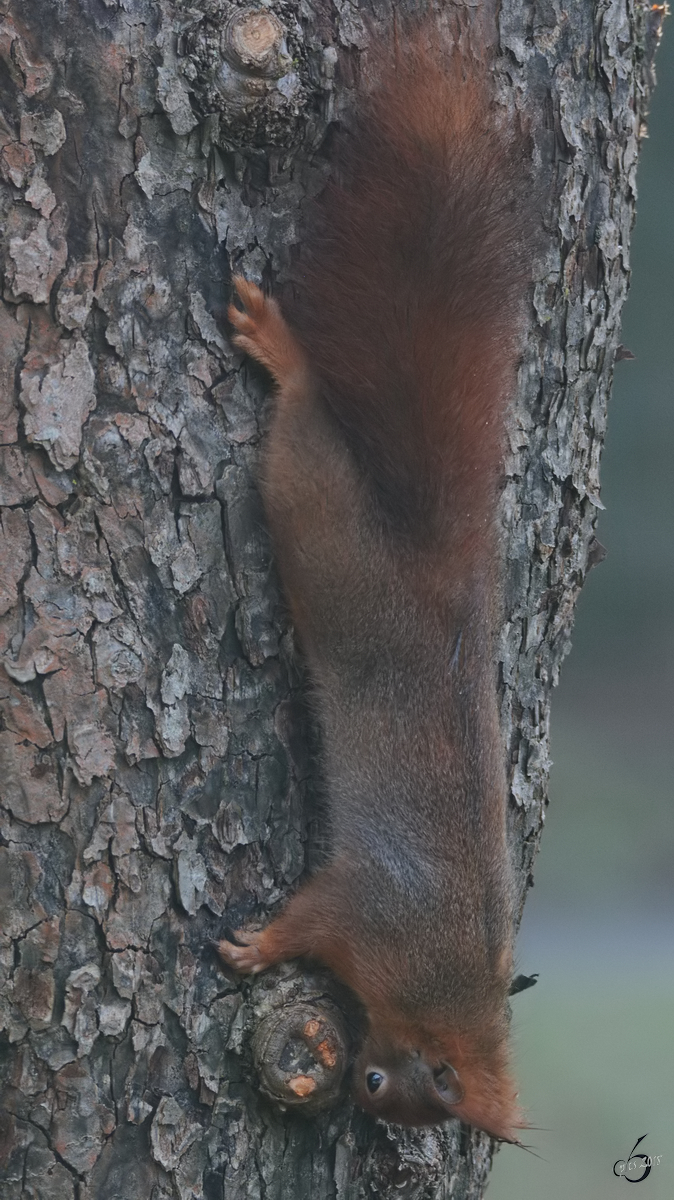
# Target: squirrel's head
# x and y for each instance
(424, 1086)
(402, 1086)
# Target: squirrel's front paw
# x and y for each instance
(249, 958)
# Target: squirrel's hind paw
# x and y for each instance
(247, 320)
(261, 332)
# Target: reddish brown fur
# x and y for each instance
(419, 263)
(380, 482)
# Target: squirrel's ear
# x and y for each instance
(448, 1085)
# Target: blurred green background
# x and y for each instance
(594, 1040)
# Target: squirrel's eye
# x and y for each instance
(374, 1081)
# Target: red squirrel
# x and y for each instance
(393, 364)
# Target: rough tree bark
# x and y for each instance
(156, 784)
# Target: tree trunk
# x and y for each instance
(157, 784)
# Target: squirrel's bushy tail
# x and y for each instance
(411, 300)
